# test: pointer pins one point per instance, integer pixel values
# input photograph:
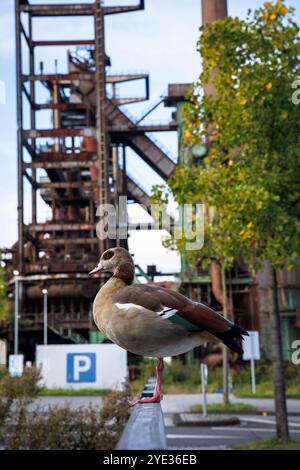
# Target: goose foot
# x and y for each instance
(153, 399)
(157, 396)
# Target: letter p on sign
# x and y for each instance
(81, 367)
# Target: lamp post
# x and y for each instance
(45, 296)
(16, 325)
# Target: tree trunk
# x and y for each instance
(217, 289)
(225, 349)
(282, 428)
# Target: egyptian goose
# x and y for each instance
(154, 321)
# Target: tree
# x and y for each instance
(5, 306)
(249, 180)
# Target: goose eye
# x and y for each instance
(107, 255)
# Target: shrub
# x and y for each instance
(25, 387)
(67, 428)
(62, 428)
(19, 391)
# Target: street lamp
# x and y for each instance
(17, 298)
(45, 296)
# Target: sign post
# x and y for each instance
(204, 387)
(45, 311)
(16, 365)
(17, 306)
(252, 353)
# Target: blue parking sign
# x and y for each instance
(81, 367)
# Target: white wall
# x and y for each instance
(76, 366)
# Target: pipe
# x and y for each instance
(87, 289)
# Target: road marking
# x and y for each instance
(217, 428)
(267, 421)
(200, 436)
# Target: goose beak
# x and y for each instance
(97, 269)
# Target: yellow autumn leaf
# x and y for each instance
(187, 134)
(243, 101)
(249, 225)
(284, 115)
(269, 86)
(272, 17)
(283, 10)
(267, 4)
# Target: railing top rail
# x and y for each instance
(145, 429)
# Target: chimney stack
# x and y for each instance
(213, 10)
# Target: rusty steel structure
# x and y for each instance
(83, 158)
(78, 162)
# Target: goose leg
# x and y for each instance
(157, 396)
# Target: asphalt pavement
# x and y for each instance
(172, 403)
(251, 428)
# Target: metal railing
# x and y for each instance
(145, 429)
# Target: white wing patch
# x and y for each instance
(166, 312)
(128, 306)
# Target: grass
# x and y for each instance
(175, 388)
(84, 392)
(268, 444)
(264, 390)
(237, 407)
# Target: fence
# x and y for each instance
(145, 429)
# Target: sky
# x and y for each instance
(160, 40)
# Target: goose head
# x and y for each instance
(117, 261)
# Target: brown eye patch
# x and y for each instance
(108, 254)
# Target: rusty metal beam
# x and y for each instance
(39, 133)
(67, 185)
(66, 42)
(148, 150)
(25, 35)
(61, 106)
(146, 128)
(126, 77)
(65, 157)
(80, 9)
(29, 179)
(120, 101)
(152, 155)
(49, 242)
(137, 193)
(68, 77)
(62, 164)
(65, 227)
(124, 9)
(27, 94)
(20, 259)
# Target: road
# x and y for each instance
(172, 403)
(251, 428)
(182, 403)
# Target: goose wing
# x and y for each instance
(179, 309)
